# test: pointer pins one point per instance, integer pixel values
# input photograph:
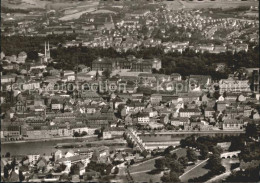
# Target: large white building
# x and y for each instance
(233, 85)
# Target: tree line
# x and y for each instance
(186, 63)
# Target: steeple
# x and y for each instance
(47, 52)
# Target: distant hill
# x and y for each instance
(24, 4)
(43, 4)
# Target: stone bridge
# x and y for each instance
(233, 154)
(135, 139)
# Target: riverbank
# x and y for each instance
(47, 139)
(40, 146)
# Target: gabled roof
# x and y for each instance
(189, 110)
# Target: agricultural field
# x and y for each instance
(76, 15)
(47, 4)
(179, 4)
(24, 4)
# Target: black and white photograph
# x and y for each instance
(130, 91)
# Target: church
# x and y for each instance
(47, 54)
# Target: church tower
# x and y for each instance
(48, 51)
(47, 54)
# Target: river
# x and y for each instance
(25, 148)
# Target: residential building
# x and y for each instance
(189, 112)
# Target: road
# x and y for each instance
(194, 167)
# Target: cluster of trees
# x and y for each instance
(99, 132)
(77, 134)
(10, 167)
(60, 168)
(214, 163)
(106, 73)
(102, 168)
(251, 130)
(208, 144)
(186, 63)
(249, 175)
(11, 10)
(215, 168)
(250, 152)
(31, 45)
(174, 163)
(74, 169)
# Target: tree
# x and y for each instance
(159, 163)
(204, 152)
(84, 133)
(168, 149)
(98, 132)
(218, 169)
(61, 168)
(106, 73)
(214, 160)
(249, 175)
(132, 162)
(191, 155)
(183, 160)
(144, 153)
(21, 176)
(237, 143)
(171, 177)
(76, 134)
(176, 167)
(74, 169)
(251, 130)
(7, 155)
(189, 141)
(170, 157)
(13, 163)
(214, 164)
(6, 174)
(217, 150)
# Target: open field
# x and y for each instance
(24, 4)
(196, 172)
(47, 4)
(70, 6)
(75, 11)
(141, 172)
(146, 177)
(76, 15)
(149, 164)
(179, 4)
